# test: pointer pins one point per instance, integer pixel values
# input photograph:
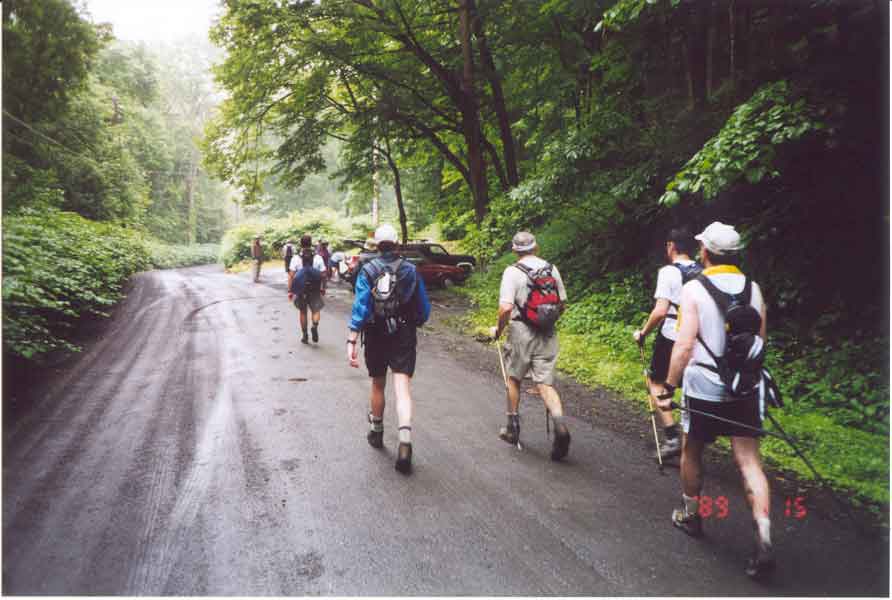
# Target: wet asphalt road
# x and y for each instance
(198, 448)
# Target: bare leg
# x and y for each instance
(691, 466)
(758, 494)
(663, 416)
(403, 399)
(376, 401)
(303, 320)
(551, 399)
(316, 317)
(513, 395)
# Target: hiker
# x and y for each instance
(712, 365)
(306, 290)
(335, 263)
(663, 318)
(306, 249)
(257, 255)
(322, 251)
(368, 252)
(389, 306)
(531, 298)
(288, 254)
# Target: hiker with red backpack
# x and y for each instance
(390, 304)
(718, 359)
(680, 246)
(531, 298)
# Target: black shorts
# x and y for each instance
(659, 360)
(708, 429)
(395, 351)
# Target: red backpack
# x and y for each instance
(543, 305)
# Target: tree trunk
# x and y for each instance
(695, 33)
(398, 188)
(710, 50)
(471, 116)
(376, 188)
(732, 46)
(190, 201)
(498, 97)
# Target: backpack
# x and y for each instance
(289, 253)
(306, 281)
(740, 365)
(688, 273)
(387, 298)
(542, 307)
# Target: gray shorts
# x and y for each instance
(531, 351)
(312, 300)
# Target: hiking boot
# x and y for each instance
(561, 444)
(376, 439)
(404, 458)
(761, 564)
(691, 524)
(670, 447)
(304, 339)
(511, 432)
(315, 332)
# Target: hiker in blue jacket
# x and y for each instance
(390, 304)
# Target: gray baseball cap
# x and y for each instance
(523, 241)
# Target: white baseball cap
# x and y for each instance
(720, 238)
(385, 233)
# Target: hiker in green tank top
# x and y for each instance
(531, 298)
(707, 360)
(680, 245)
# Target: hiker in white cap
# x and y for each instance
(531, 298)
(390, 304)
(706, 361)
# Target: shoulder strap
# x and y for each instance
(718, 296)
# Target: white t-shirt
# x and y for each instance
(297, 263)
(514, 287)
(669, 284)
(699, 382)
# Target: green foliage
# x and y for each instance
(173, 256)
(748, 145)
(319, 223)
(59, 267)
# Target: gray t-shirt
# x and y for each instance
(515, 283)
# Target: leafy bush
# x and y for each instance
(59, 267)
(319, 223)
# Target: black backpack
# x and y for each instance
(688, 273)
(388, 301)
(740, 364)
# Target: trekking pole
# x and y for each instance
(505, 378)
(653, 408)
(732, 422)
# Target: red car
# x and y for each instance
(431, 273)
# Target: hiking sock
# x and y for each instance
(376, 423)
(691, 504)
(559, 422)
(303, 337)
(671, 431)
(315, 332)
(405, 434)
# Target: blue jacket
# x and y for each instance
(407, 275)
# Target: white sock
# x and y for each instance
(763, 528)
(405, 435)
(376, 424)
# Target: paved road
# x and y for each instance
(198, 448)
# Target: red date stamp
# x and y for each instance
(795, 508)
(717, 507)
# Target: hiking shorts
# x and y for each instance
(313, 300)
(529, 351)
(396, 352)
(706, 429)
(659, 360)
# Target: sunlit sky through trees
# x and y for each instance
(155, 21)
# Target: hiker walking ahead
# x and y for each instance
(288, 254)
(257, 255)
(720, 369)
(306, 249)
(670, 279)
(390, 304)
(306, 290)
(531, 298)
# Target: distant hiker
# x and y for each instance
(531, 298)
(306, 249)
(322, 250)
(718, 370)
(306, 290)
(335, 263)
(257, 255)
(681, 269)
(390, 304)
(288, 254)
(368, 252)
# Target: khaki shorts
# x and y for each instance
(530, 351)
